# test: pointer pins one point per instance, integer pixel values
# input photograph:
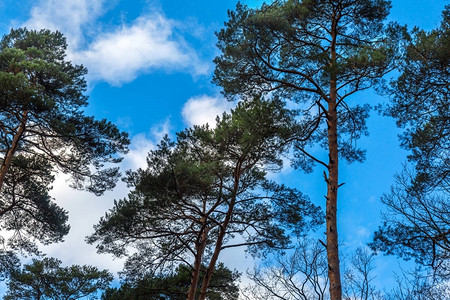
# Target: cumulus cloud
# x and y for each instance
(146, 45)
(71, 17)
(204, 109)
(119, 54)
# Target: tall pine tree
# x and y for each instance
(318, 53)
(41, 112)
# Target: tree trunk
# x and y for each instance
(215, 256)
(197, 265)
(6, 164)
(331, 211)
(334, 273)
(223, 228)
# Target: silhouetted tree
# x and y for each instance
(298, 275)
(302, 274)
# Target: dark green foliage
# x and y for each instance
(43, 130)
(420, 104)
(26, 208)
(9, 262)
(210, 183)
(286, 47)
(417, 224)
(46, 279)
(41, 101)
(174, 286)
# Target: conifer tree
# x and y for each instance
(319, 54)
(204, 189)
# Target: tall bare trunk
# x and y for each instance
(334, 273)
(331, 211)
(6, 164)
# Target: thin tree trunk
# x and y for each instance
(334, 273)
(6, 164)
(222, 231)
(215, 256)
(197, 265)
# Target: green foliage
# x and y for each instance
(174, 286)
(318, 54)
(43, 130)
(417, 224)
(42, 94)
(27, 209)
(46, 279)
(209, 183)
(291, 49)
(9, 262)
(420, 103)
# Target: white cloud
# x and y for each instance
(122, 53)
(146, 45)
(137, 156)
(286, 169)
(71, 17)
(84, 210)
(204, 109)
(363, 232)
(142, 143)
(161, 130)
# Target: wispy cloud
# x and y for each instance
(119, 54)
(204, 109)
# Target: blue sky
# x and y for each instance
(150, 67)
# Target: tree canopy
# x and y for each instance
(295, 69)
(41, 116)
(43, 130)
(46, 279)
(417, 224)
(173, 285)
(27, 210)
(201, 191)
